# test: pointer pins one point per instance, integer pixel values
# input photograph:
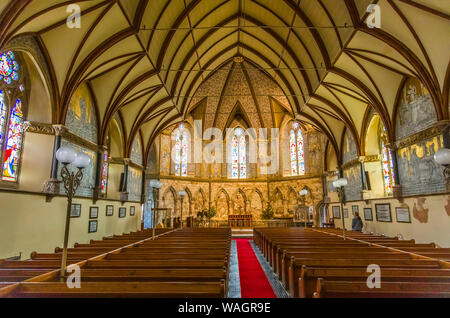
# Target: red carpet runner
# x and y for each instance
(254, 283)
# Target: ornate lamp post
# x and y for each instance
(339, 184)
(181, 193)
(442, 157)
(71, 180)
(303, 194)
(155, 185)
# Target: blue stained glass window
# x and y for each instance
(296, 150)
(13, 143)
(8, 67)
(181, 151)
(238, 155)
(2, 116)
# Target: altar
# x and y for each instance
(240, 221)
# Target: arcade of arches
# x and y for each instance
(326, 95)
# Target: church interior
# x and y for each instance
(224, 148)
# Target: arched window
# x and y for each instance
(388, 165)
(296, 150)
(238, 155)
(105, 166)
(11, 116)
(181, 151)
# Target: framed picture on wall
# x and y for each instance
(132, 211)
(109, 210)
(93, 212)
(345, 213)
(122, 212)
(383, 212)
(403, 215)
(336, 212)
(75, 211)
(368, 216)
(93, 225)
(355, 209)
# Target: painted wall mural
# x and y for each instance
(165, 155)
(81, 119)
(134, 184)
(88, 182)
(349, 149)
(420, 212)
(419, 172)
(136, 151)
(415, 110)
(354, 186)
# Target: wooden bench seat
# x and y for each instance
(122, 290)
(350, 289)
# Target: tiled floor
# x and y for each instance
(234, 288)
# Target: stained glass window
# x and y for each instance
(238, 155)
(11, 116)
(13, 143)
(296, 150)
(2, 116)
(181, 151)
(388, 167)
(184, 154)
(105, 165)
(293, 152)
(9, 68)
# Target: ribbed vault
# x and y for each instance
(146, 59)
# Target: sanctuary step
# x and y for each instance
(242, 233)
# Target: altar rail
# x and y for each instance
(261, 223)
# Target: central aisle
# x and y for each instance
(254, 283)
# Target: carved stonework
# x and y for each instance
(429, 133)
(372, 158)
(351, 163)
(79, 141)
(38, 128)
(52, 187)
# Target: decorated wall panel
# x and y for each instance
(349, 151)
(134, 184)
(418, 171)
(415, 110)
(354, 186)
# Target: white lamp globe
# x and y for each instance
(81, 161)
(182, 193)
(66, 155)
(442, 157)
(304, 192)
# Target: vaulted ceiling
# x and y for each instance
(145, 59)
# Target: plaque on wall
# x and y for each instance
(109, 210)
(336, 212)
(345, 213)
(383, 212)
(368, 216)
(355, 209)
(93, 225)
(93, 212)
(75, 211)
(403, 215)
(132, 210)
(122, 212)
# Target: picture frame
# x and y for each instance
(345, 213)
(122, 212)
(368, 215)
(132, 210)
(109, 210)
(383, 212)
(93, 212)
(93, 226)
(75, 210)
(402, 215)
(355, 209)
(336, 212)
